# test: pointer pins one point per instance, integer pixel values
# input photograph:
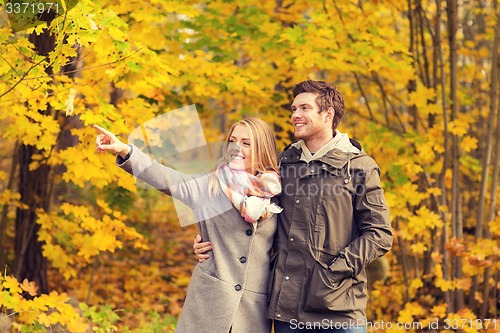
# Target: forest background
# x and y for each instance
(82, 248)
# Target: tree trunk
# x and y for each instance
(493, 190)
(412, 84)
(33, 187)
(487, 157)
(446, 157)
(29, 262)
(452, 13)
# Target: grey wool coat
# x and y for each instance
(229, 290)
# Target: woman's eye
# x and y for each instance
(246, 144)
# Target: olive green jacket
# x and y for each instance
(335, 222)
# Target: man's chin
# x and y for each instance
(298, 136)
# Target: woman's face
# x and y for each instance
(239, 149)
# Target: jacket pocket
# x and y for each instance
(375, 198)
(326, 294)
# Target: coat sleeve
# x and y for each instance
(189, 189)
(371, 215)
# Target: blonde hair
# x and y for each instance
(263, 149)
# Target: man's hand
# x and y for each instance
(200, 248)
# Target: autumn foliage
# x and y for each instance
(84, 249)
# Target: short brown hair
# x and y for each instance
(328, 96)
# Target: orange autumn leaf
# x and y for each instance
(29, 287)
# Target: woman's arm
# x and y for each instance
(189, 189)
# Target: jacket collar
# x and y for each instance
(335, 158)
(342, 151)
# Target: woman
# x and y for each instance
(235, 213)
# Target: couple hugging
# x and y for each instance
(271, 249)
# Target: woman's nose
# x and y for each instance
(234, 146)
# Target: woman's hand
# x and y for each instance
(108, 141)
(200, 248)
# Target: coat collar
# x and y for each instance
(334, 158)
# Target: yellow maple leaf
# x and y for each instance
(27, 313)
(437, 257)
(412, 169)
(458, 128)
(439, 310)
(127, 182)
(104, 241)
(418, 248)
(11, 283)
(464, 283)
(104, 205)
(44, 320)
(421, 97)
(434, 191)
(410, 311)
(425, 153)
(444, 285)
(468, 143)
(415, 285)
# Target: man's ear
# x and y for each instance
(330, 113)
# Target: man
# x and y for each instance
(334, 222)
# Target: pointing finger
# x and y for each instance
(102, 130)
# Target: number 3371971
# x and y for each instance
(31, 7)
(460, 324)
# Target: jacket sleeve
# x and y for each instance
(374, 236)
(189, 189)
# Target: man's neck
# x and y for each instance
(315, 144)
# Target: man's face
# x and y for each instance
(307, 122)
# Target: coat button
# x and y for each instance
(237, 287)
(297, 201)
(291, 239)
(346, 180)
(287, 278)
(243, 260)
(249, 232)
(278, 315)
